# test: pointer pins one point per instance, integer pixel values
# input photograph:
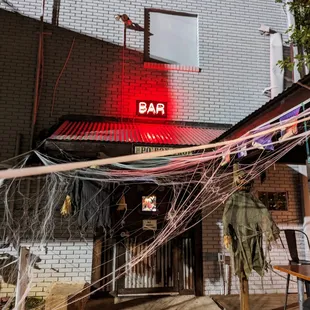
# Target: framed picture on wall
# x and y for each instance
(149, 203)
(274, 201)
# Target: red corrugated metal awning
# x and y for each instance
(129, 132)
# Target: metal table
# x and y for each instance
(302, 272)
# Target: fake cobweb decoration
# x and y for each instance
(198, 185)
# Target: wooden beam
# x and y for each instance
(175, 265)
(22, 279)
(121, 262)
(244, 292)
(97, 255)
(198, 258)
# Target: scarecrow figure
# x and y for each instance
(246, 221)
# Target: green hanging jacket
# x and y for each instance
(246, 220)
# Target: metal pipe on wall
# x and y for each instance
(36, 97)
(38, 76)
(16, 153)
(37, 86)
(276, 73)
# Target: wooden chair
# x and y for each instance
(290, 235)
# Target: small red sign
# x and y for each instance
(149, 108)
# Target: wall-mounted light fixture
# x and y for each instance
(124, 18)
(128, 23)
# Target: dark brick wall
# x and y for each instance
(18, 64)
(91, 83)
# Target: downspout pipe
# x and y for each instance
(37, 85)
(276, 54)
(276, 73)
(36, 98)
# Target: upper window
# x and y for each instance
(171, 38)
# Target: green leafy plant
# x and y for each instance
(299, 34)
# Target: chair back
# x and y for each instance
(290, 235)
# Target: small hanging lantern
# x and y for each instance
(66, 207)
(122, 206)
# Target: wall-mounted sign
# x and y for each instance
(149, 203)
(149, 149)
(149, 224)
(151, 108)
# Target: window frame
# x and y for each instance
(146, 51)
(275, 192)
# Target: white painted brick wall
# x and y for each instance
(234, 57)
(279, 177)
(65, 261)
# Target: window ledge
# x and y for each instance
(170, 67)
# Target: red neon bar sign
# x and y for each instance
(150, 108)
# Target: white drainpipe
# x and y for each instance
(276, 73)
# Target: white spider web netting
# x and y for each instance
(33, 208)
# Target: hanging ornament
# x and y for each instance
(292, 130)
(264, 142)
(66, 207)
(289, 132)
(242, 151)
(122, 204)
(225, 159)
